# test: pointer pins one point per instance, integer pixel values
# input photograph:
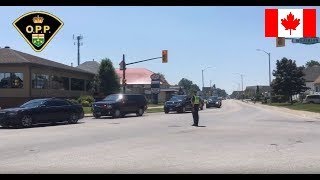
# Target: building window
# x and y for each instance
(11, 80)
(40, 81)
(89, 85)
(77, 84)
(61, 83)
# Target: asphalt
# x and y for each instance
(237, 138)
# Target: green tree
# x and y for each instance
(108, 79)
(188, 85)
(221, 92)
(288, 79)
(258, 94)
(312, 63)
(193, 88)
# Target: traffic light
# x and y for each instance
(164, 56)
(281, 42)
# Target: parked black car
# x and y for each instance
(118, 105)
(38, 111)
(214, 101)
(178, 103)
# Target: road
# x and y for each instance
(238, 138)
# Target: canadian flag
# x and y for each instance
(290, 23)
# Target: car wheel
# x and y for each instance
(116, 114)
(140, 112)
(311, 102)
(207, 106)
(4, 126)
(97, 116)
(26, 121)
(166, 111)
(73, 119)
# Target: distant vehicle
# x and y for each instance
(38, 111)
(312, 99)
(214, 101)
(178, 103)
(118, 105)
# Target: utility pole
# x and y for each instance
(78, 39)
(123, 66)
(202, 75)
(269, 54)
(124, 74)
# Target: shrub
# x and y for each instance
(89, 99)
(85, 103)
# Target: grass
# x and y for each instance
(300, 106)
(154, 110)
(87, 110)
(155, 105)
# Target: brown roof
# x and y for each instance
(311, 73)
(10, 56)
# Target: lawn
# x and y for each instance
(87, 110)
(300, 106)
(154, 110)
(155, 105)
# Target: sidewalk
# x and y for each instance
(305, 114)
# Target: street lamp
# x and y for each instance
(269, 69)
(241, 75)
(202, 75)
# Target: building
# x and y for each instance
(24, 77)
(311, 75)
(138, 80)
(236, 95)
(250, 91)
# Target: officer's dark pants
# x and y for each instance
(195, 114)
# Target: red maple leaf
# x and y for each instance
(290, 23)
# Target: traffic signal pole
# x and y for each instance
(163, 57)
(124, 74)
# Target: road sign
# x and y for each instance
(155, 90)
(280, 42)
(155, 82)
(155, 77)
(307, 41)
(122, 65)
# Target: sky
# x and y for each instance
(223, 38)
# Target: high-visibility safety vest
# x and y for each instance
(196, 100)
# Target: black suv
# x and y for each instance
(178, 103)
(118, 105)
(214, 101)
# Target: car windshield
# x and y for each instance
(214, 98)
(177, 98)
(113, 97)
(33, 103)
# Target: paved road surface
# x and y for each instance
(238, 138)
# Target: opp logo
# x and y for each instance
(38, 28)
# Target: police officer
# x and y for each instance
(195, 101)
